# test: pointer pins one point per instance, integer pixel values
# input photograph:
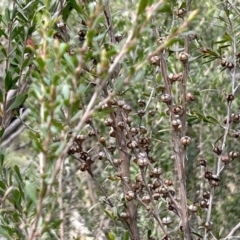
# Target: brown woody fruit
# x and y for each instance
(168, 182)
(203, 204)
(141, 103)
(130, 195)
(156, 172)
(190, 97)
(117, 162)
(146, 199)
(185, 140)
(166, 221)
(166, 98)
(155, 60)
(208, 225)
(142, 162)
(183, 57)
(217, 150)
(127, 108)
(181, 12)
(202, 162)
(108, 122)
(225, 159)
(208, 175)
(101, 155)
(124, 215)
(233, 154)
(141, 113)
(206, 195)
(192, 208)
(230, 97)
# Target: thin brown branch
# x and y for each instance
(125, 169)
(60, 202)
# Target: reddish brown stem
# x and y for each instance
(125, 168)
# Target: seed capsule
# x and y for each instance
(190, 97)
(146, 199)
(186, 141)
(130, 195)
(166, 98)
(183, 57)
(166, 220)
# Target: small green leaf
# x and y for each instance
(25, 63)
(8, 81)
(55, 224)
(165, 8)
(31, 190)
(111, 236)
(2, 185)
(227, 37)
(142, 6)
(17, 31)
(3, 50)
(76, 6)
(2, 33)
(1, 96)
(17, 171)
(126, 236)
(4, 233)
(19, 100)
(22, 17)
(1, 131)
(197, 234)
(40, 64)
(1, 159)
(109, 214)
(63, 47)
(7, 14)
(211, 119)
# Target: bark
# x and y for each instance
(125, 169)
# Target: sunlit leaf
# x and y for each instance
(31, 190)
(111, 236)
(19, 100)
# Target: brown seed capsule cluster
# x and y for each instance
(177, 124)
(181, 12)
(227, 64)
(227, 158)
(173, 77)
(177, 110)
(185, 140)
(208, 225)
(136, 144)
(230, 98)
(190, 97)
(234, 118)
(155, 60)
(212, 178)
(77, 145)
(166, 98)
(183, 57)
(81, 35)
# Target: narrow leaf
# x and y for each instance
(8, 81)
(31, 191)
(142, 5)
(126, 236)
(19, 100)
(111, 236)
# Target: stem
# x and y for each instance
(125, 168)
(60, 202)
(179, 158)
